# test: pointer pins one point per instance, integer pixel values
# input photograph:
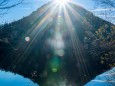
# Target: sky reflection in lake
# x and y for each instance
(105, 79)
(10, 79)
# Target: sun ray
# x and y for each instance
(37, 31)
(76, 46)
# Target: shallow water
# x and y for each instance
(11, 79)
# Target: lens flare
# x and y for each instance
(54, 69)
(27, 39)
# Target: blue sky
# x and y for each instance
(32, 5)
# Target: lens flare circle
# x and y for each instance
(27, 39)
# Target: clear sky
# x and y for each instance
(32, 5)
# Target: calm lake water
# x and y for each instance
(10, 79)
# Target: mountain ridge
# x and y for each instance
(41, 28)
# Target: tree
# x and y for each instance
(105, 3)
(107, 10)
(5, 5)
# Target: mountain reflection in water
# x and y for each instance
(11, 79)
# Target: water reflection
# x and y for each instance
(10, 79)
(105, 79)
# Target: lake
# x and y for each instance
(11, 79)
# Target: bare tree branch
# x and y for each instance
(105, 3)
(108, 9)
(4, 4)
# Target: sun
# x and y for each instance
(61, 2)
